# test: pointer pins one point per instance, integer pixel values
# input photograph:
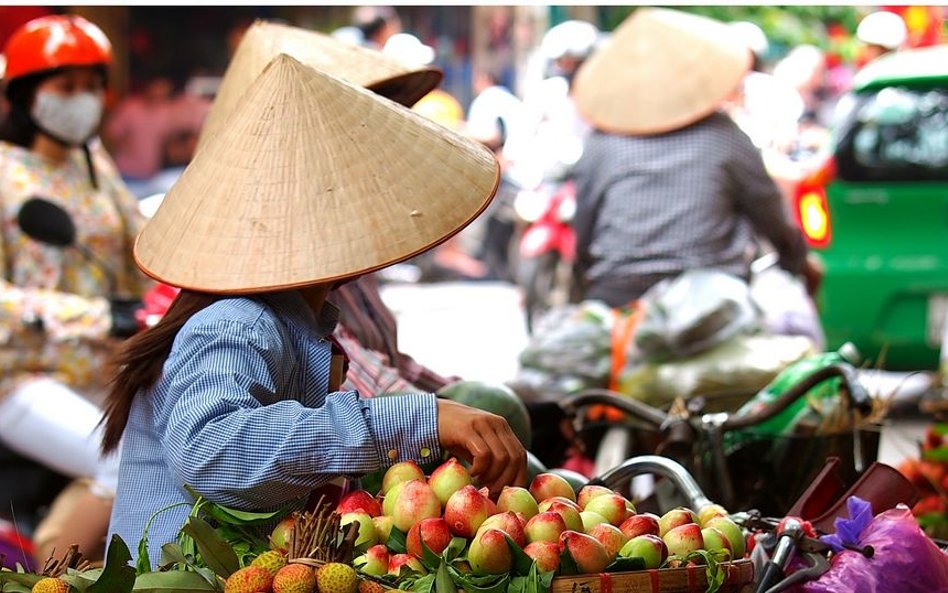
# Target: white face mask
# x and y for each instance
(72, 119)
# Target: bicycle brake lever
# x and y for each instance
(817, 568)
(792, 530)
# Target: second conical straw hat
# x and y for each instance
(312, 180)
(661, 70)
(361, 66)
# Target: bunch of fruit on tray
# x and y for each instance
(929, 473)
(420, 529)
(429, 534)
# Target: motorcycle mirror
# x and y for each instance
(46, 222)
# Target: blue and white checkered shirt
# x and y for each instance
(241, 415)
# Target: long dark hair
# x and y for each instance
(18, 127)
(139, 363)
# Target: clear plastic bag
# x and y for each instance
(742, 365)
(570, 350)
(693, 313)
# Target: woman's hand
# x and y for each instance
(485, 440)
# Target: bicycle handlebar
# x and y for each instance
(857, 394)
(662, 466)
(628, 405)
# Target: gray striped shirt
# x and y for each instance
(651, 207)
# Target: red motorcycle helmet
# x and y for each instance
(56, 41)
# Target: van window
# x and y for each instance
(895, 134)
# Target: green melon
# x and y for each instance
(497, 399)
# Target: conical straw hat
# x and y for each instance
(313, 180)
(361, 66)
(661, 70)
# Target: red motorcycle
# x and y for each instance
(547, 248)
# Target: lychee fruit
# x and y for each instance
(50, 585)
(294, 578)
(249, 579)
(367, 586)
(337, 577)
(271, 560)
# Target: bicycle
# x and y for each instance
(735, 472)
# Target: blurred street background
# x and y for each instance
(475, 305)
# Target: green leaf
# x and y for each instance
(172, 581)
(538, 582)
(493, 583)
(230, 516)
(143, 564)
(11, 587)
(217, 553)
(443, 581)
(117, 576)
(454, 549)
(429, 559)
(80, 581)
(372, 482)
(567, 564)
(27, 580)
(171, 554)
(546, 580)
(624, 564)
(92, 574)
(423, 584)
(521, 562)
(713, 573)
(518, 585)
(396, 541)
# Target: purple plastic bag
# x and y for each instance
(14, 548)
(905, 560)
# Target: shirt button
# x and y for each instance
(393, 454)
(425, 452)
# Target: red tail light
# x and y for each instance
(810, 207)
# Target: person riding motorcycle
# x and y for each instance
(668, 182)
(556, 131)
(61, 312)
(880, 33)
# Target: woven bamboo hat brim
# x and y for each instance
(661, 70)
(313, 180)
(361, 66)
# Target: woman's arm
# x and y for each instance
(236, 436)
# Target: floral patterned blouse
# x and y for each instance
(61, 287)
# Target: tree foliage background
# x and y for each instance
(785, 26)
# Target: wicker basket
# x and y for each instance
(691, 579)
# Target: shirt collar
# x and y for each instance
(292, 306)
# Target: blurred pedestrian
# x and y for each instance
(880, 33)
(672, 184)
(62, 311)
(766, 108)
(138, 130)
(498, 119)
(556, 129)
(377, 24)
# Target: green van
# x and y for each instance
(876, 212)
